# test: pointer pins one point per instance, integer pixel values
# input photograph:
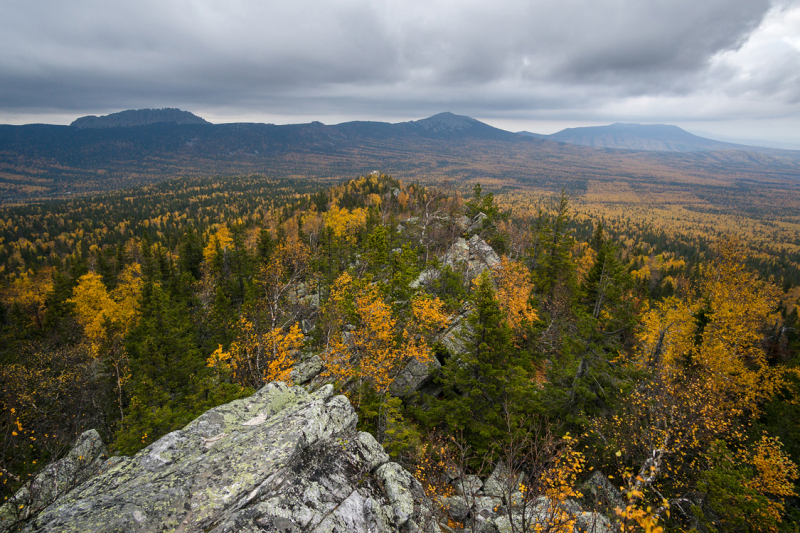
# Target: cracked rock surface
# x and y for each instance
(282, 460)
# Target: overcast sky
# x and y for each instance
(720, 66)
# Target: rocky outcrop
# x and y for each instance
(85, 460)
(414, 376)
(496, 505)
(600, 493)
(455, 338)
(476, 223)
(474, 256)
(282, 460)
(308, 367)
(469, 257)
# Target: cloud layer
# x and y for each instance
(513, 60)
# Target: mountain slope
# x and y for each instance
(44, 160)
(138, 117)
(650, 137)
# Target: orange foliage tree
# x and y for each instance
(94, 305)
(377, 348)
(28, 292)
(220, 241)
(107, 317)
(344, 223)
(255, 359)
(514, 288)
(707, 376)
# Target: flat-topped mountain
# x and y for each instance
(138, 117)
(650, 137)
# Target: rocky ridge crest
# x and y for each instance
(282, 460)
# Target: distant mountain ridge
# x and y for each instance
(648, 137)
(138, 117)
(145, 146)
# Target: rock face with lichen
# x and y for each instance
(282, 460)
(84, 461)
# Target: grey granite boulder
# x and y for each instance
(425, 278)
(455, 506)
(85, 460)
(469, 257)
(486, 507)
(526, 517)
(415, 374)
(467, 485)
(501, 483)
(411, 509)
(455, 337)
(282, 460)
(457, 254)
(542, 513)
(476, 224)
(306, 369)
(592, 523)
(472, 257)
(600, 493)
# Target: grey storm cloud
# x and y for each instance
(363, 56)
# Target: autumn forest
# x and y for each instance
(572, 335)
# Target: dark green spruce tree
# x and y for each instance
(488, 385)
(587, 378)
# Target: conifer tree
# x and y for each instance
(490, 381)
(165, 364)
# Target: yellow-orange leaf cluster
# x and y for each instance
(514, 287)
(29, 291)
(221, 240)
(94, 305)
(719, 332)
(376, 349)
(258, 358)
(345, 224)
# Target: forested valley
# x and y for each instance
(467, 329)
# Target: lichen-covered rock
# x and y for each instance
(486, 507)
(600, 493)
(476, 223)
(592, 523)
(415, 374)
(501, 483)
(485, 527)
(543, 513)
(454, 338)
(457, 254)
(472, 257)
(426, 277)
(481, 253)
(515, 500)
(82, 462)
(469, 484)
(306, 369)
(399, 486)
(462, 223)
(282, 460)
(456, 506)
(304, 294)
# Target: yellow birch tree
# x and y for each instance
(377, 348)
